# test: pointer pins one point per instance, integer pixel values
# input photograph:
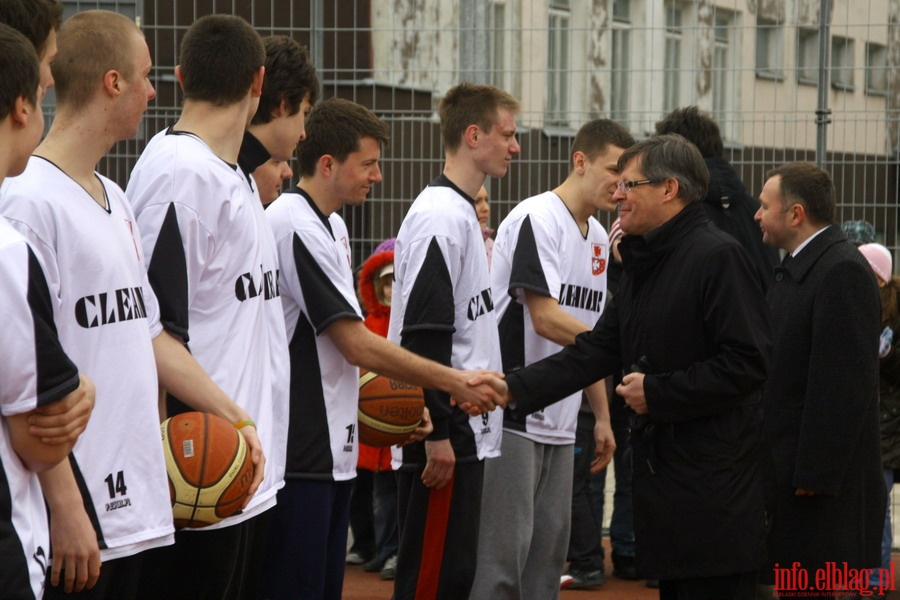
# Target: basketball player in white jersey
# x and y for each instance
(549, 285)
(442, 308)
(339, 163)
(39, 379)
(289, 91)
(212, 263)
(109, 502)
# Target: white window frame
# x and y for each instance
(620, 63)
(498, 32)
(769, 49)
(673, 60)
(807, 55)
(843, 55)
(559, 61)
(725, 80)
(876, 69)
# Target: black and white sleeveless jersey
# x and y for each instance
(35, 372)
(540, 248)
(317, 288)
(442, 285)
(211, 261)
(106, 316)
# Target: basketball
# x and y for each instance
(389, 410)
(209, 468)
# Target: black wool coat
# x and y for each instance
(690, 303)
(821, 407)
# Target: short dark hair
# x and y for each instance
(671, 156)
(290, 76)
(471, 104)
(21, 72)
(335, 127)
(33, 18)
(220, 54)
(91, 43)
(595, 136)
(806, 184)
(697, 127)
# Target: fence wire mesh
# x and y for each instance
(753, 64)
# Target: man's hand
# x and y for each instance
(75, 549)
(632, 390)
(489, 385)
(476, 392)
(441, 462)
(606, 446)
(425, 427)
(61, 422)
(259, 460)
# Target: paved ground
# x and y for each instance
(359, 585)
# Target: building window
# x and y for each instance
(807, 56)
(769, 49)
(620, 72)
(558, 62)
(497, 30)
(842, 57)
(673, 65)
(724, 82)
(876, 69)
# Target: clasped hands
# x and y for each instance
(481, 391)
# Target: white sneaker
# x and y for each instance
(354, 559)
(565, 581)
(389, 570)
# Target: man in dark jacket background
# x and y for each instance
(821, 397)
(691, 314)
(727, 202)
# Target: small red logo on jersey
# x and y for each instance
(598, 263)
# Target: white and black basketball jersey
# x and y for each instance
(35, 371)
(106, 316)
(212, 262)
(442, 285)
(317, 288)
(540, 248)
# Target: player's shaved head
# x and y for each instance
(91, 43)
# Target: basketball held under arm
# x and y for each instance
(182, 376)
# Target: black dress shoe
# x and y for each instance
(623, 567)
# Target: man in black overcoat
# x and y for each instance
(691, 316)
(821, 398)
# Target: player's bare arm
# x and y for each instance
(370, 351)
(76, 553)
(60, 423)
(440, 464)
(182, 376)
(603, 435)
(70, 417)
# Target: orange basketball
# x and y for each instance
(209, 468)
(389, 410)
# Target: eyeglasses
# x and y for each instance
(627, 186)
